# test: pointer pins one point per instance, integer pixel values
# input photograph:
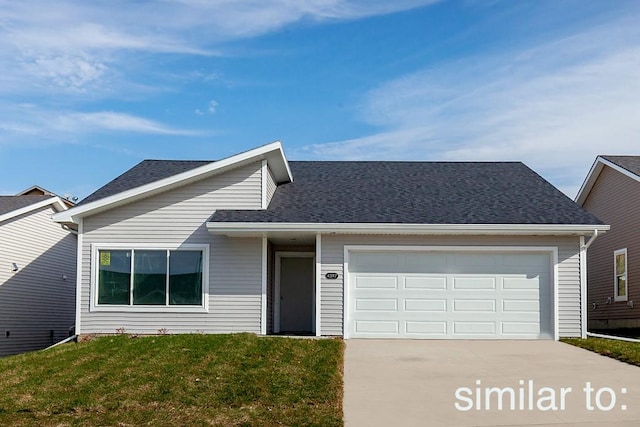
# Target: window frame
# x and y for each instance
(617, 297)
(97, 247)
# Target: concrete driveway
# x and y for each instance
(460, 383)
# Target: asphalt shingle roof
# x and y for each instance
(415, 193)
(630, 163)
(390, 192)
(143, 173)
(13, 203)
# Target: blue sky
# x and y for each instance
(88, 89)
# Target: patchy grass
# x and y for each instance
(621, 350)
(195, 380)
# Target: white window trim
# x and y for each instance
(204, 308)
(616, 297)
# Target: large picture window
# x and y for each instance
(621, 284)
(150, 277)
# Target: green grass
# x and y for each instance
(219, 380)
(621, 350)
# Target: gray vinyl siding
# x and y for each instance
(271, 185)
(332, 291)
(615, 199)
(175, 217)
(35, 299)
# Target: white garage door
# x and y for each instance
(444, 295)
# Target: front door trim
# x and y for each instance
(276, 298)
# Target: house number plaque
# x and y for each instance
(331, 276)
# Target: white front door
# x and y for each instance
(444, 295)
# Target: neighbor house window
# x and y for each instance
(150, 277)
(621, 284)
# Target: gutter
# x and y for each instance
(247, 228)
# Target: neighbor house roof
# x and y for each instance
(12, 206)
(414, 193)
(629, 163)
(626, 165)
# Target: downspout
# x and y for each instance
(64, 341)
(583, 280)
(593, 237)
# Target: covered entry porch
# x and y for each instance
(292, 296)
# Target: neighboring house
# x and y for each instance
(36, 190)
(37, 273)
(611, 191)
(355, 249)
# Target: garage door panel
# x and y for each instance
(376, 304)
(425, 305)
(531, 260)
(474, 260)
(474, 328)
(521, 306)
(475, 305)
(377, 327)
(425, 282)
(436, 329)
(520, 283)
(372, 262)
(520, 328)
(449, 295)
(376, 282)
(485, 283)
(418, 263)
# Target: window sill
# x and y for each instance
(148, 309)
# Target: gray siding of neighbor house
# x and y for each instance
(35, 299)
(568, 271)
(271, 186)
(615, 199)
(179, 216)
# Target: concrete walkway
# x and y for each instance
(414, 383)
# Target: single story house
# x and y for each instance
(37, 272)
(382, 249)
(611, 191)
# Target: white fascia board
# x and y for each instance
(230, 228)
(55, 201)
(273, 153)
(593, 174)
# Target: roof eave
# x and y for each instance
(273, 153)
(55, 201)
(260, 228)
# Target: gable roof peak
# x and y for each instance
(628, 165)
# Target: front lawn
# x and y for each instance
(173, 380)
(621, 350)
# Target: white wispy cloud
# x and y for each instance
(555, 106)
(73, 44)
(29, 124)
(59, 54)
(113, 121)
